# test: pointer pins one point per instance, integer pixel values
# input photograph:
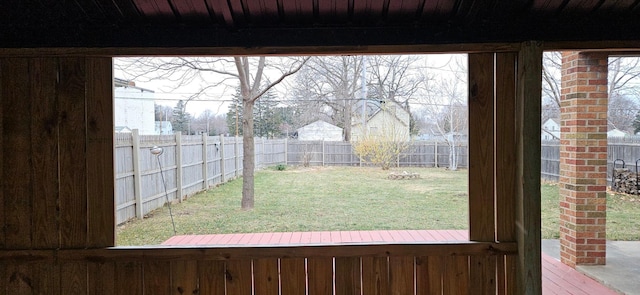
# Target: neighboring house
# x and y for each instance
(616, 133)
(550, 130)
(320, 130)
(134, 107)
(164, 127)
(122, 129)
(388, 120)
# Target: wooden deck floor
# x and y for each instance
(557, 278)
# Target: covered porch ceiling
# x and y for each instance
(300, 23)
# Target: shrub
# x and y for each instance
(281, 167)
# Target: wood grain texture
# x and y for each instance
(100, 176)
(221, 11)
(45, 279)
(528, 103)
(212, 277)
(191, 10)
(481, 152)
(157, 277)
(429, 275)
(44, 144)
(456, 276)
(129, 278)
(2, 213)
(401, 276)
(18, 279)
(238, 277)
(320, 275)
(102, 277)
(72, 153)
(240, 253)
(17, 161)
(265, 276)
(155, 9)
(483, 274)
(293, 276)
(375, 275)
(73, 278)
(506, 143)
(347, 275)
(184, 277)
(506, 167)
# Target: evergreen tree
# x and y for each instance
(636, 124)
(266, 122)
(234, 115)
(180, 118)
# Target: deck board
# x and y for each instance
(557, 278)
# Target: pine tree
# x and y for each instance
(234, 115)
(636, 124)
(180, 118)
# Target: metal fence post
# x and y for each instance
(137, 178)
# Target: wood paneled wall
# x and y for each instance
(56, 159)
(57, 165)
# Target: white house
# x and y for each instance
(164, 127)
(388, 120)
(134, 107)
(616, 133)
(550, 130)
(320, 130)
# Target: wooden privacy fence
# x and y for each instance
(189, 164)
(626, 149)
(340, 153)
(192, 163)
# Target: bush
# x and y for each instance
(281, 167)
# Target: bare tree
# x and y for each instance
(623, 90)
(335, 81)
(445, 104)
(393, 78)
(211, 72)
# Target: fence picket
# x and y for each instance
(132, 164)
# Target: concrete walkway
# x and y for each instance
(622, 272)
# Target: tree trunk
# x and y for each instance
(248, 160)
(347, 123)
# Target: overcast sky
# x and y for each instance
(217, 101)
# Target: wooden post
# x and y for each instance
(263, 161)
(205, 177)
(528, 107)
(323, 150)
(286, 151)
(221, 151)
(506, 153)
(435, 154)
(481, 167)
(137, 181)
(235, 154)
(179, 193)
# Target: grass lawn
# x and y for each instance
(346, 198)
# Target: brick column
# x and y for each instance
(583, 158)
